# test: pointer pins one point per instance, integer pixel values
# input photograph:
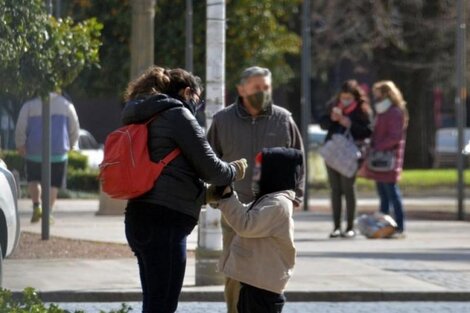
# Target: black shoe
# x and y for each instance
(349, 233)
(335, 233)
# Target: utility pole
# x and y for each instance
(305, 101)
(215, 58)
(142, 34)
(189, 36)
(209, 232)
(46, 158)
(461, 102)
(46, 167)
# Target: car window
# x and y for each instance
(87, 141)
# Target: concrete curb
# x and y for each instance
(293, 296)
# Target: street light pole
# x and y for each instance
(189, 36)
(209, 247)
(306, 92)
(460, 101)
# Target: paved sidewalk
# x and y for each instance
(432, 263)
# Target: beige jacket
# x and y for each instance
(262, 253)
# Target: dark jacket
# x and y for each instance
(361, 127)
(180, 186)
(235, 134)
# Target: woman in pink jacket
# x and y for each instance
(389, 134)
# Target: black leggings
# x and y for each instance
(341, 185)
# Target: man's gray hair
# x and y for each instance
(254, 71)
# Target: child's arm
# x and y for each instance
(261, 221)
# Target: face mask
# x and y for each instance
(382, 106)
(260, 100)
(347, 102)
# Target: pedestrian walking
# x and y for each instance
(262, 253)
(159, 221)
(28, 137)
(243, 129)
(350, 112)
(386, 155)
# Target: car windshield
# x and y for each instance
(87, 141)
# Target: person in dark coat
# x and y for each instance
(159, 221)
(349, 110)
(389, 134)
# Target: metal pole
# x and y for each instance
(460, 100)
(46, 166)
(49, 7)
(306, 92)
(142, 36)
(189, 36)
(209, 232)
(57, 8)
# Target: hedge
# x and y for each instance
(83, 180)
(31, 302)
(79, 176)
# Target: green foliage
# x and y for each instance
(83, 180)
(423, 179)
(77, 161)
(39, 53)
(79, 176)
(30, 302)
(13, 161)
(114, 54)
(257, 33)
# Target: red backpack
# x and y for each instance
(127, 171)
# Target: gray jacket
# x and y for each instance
(180, 186)
(235, 134)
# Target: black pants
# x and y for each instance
(157, 236)
(255, 300)
(341, 185)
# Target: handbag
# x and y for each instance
(341, 154)
(381, 161)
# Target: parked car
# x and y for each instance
(87, 145)
(445, 150)
(9, 217)
(316, 165)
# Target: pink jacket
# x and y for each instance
(388, 134)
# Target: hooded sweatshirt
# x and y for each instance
(262, 253)
(180, 187)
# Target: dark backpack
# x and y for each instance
(127, 171)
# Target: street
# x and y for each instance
(297, 307)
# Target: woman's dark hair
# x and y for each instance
(180, 79)
(352, 86)
(153, 81)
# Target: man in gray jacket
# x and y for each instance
(243, 129)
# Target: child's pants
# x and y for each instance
(256, 300)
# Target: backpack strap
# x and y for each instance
(170, 157)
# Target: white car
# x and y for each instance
(9, 218)
(87, 145)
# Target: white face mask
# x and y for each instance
(382, 106)
(347, 102)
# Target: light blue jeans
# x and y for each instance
(389, 194)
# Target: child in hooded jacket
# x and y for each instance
(262, 254)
